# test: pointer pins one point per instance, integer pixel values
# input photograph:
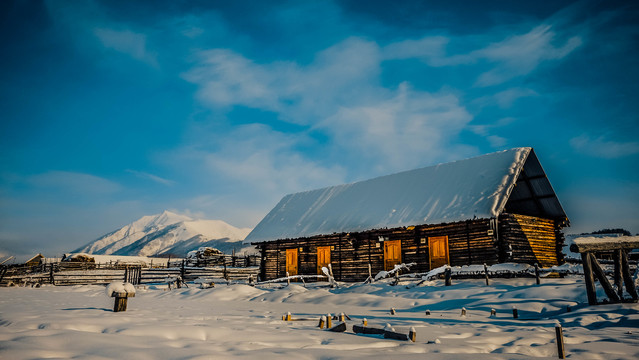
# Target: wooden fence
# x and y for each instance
(50, 274)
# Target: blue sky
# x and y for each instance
(110, 110)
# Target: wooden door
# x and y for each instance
(392, 254)
(323, 258)
(291, 261)
(438, 251)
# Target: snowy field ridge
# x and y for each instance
(244, 322)
(168, 233)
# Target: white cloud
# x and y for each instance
(155, 178)
(426, 48)
(127, 42)
(505, 99)
(521, 54)
(267, 160)
(509, 58)
(603, 148)
(340, 74)
(72, 182)
(338, 94)
(406, 129)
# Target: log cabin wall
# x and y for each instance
(469, 242)
(530, 239)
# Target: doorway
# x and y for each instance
(323, 258)
(291, 261)
(438, 251)
(392, 254)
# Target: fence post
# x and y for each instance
(486, 274)
(537, 280)
(447, 276)
(183, 270)
(51, 280)
(560, 341)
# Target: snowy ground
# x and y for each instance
(243, 322)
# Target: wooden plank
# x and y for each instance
(628, 280)
(590, 281)
(603, 280)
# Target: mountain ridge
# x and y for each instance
(168, 233)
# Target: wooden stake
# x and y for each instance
(392, 311)
(288, 316)
(412, 334)
(537, 280)
(493, 312)
(364, 322)
(322, 322)
(427, 312)
(560, 341)
(486, 274)
(328, 321)
(515, 313)
(627, 278)
(288, 279)
(590, 280)
(603, 280)
(463, 312)
(447, 276)
(618, 272)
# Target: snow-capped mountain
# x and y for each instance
(169, 233)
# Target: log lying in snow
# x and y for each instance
(358, 329)
(338, 328)
(388, 334)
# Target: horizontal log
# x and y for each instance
(589, 244)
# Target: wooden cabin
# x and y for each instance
(35, 261)
(489, 209)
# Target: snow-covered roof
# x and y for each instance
(479, 187)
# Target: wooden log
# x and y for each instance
(357, 329)
(589, 279)
(341, 327)
(628, 280)
(605, 244)
(603, 280)
(618, 272)
(395, 336)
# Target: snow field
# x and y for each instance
(243, 322)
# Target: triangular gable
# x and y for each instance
(533, 195)
(467, 189)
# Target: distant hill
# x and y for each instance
(169, 233)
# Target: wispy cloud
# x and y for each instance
(521, 54)
(603, 148)
(148, 176)
(127, 42)
(73, 182)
